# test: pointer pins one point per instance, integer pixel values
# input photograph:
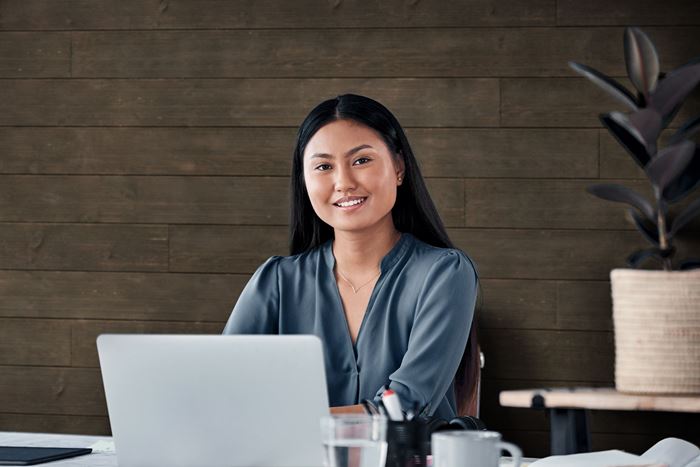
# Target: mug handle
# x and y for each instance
(513, 450)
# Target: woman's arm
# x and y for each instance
(439, 333)
(257, 308)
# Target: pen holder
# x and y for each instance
(408, 443)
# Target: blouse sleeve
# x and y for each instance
(257, 308)
(443, 318)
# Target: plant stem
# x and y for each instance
(663, 239)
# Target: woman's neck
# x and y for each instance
(357, 253)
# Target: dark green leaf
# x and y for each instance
(606, 83)
(687, 181)
(641, 59)
(687, 215)
(635, 259)
(674, 88)
(669, 163)
(628, 136)
(647, 228)
(686, 130)
(622, 194)
(648, 123)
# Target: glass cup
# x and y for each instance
(354, 440)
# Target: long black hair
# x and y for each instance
(413, 212)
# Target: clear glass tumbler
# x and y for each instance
(354, 440)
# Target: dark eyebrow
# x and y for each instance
(349, 153)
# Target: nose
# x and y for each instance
(344, 180)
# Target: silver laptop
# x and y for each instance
(185, 401)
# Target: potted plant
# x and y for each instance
(656, 313)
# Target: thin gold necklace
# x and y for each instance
(355, 290)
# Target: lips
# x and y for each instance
(350, 201)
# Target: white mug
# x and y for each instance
(470, 449)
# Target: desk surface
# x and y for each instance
(98, 458)
(101, 456)
(597, 399)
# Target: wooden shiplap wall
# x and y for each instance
(145, 148)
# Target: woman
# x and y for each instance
(372, 272)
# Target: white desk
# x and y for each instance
(96, 459)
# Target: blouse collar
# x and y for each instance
(396, 252)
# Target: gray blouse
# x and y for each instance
(413, 333)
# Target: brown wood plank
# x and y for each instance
(548, 355)
(521, 304)
(147, 151)
(77, 14)
(547, 254)
(517, 304)
(119, 295)
(557, 254)
(84, 247)
(240, 102)
(84, 335)
(553, 102)
(499, 253)
(204, 14)
(68, 424)
(224, 248)
(35, 55)
(134, 199)
(584, 305)
(565, 102)
(55, 391)
(34, 342)
(628, 12)
(366, 52)
(545, 304)
(448, 196)
(172, 200)
(442, 152)
(512, 153)
(555, 204)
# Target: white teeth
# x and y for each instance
(350, 203)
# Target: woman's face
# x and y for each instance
(351, 176)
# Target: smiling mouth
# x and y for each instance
(351, 203)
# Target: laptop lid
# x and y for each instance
(214, 400)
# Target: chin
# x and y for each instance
(359, 225)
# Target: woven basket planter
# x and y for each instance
(657, 331)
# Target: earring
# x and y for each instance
(400, 179)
